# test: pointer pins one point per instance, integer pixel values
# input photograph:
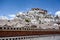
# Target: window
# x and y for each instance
(11, 28)
(20, 28)
(10, 39)
(17, 28)
(24, 37)
(29, 28)
(7, 28)
(13, 38)
(6, 39)
(14, 28)
(25, 28)
(0, 27)
(4, 27)
(21, 38)
(16, 38)
(2, 39)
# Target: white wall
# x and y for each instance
(44, 37)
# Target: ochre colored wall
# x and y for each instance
(25, 33)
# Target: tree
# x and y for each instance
(27, 20)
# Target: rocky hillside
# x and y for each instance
(34, 18)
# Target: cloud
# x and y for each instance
(3, 17)
(11, 15)
(20, 12)
(11, 18)
(57, 13)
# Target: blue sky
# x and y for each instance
(8, 7)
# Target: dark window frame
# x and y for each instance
(0, 27)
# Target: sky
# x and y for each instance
(11, 7)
